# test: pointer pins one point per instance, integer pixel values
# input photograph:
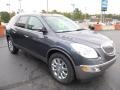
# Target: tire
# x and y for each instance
(64, 66)
(11, 47)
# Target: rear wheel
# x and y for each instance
(11, 47)
(61, 68)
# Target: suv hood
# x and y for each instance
(85, 36)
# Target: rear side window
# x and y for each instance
(22, 21)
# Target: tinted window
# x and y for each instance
(22, 21)
(34, 24)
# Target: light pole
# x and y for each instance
(73, 5)
(20, 6)
(47, 6)
(8, 4)
(85, 13)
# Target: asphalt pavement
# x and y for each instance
(25, 72)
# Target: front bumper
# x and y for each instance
(84, 72)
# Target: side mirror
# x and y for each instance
(44, 30)
(91, 27)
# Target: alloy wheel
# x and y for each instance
(59, 68)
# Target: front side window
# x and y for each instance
(34, 24)
(22, 21)
(61, 23)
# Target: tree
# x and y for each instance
(43, 11)
(54, 11)
(77, 14)
(12, 14)
(87, 16)
(69, 15)
(5, 16)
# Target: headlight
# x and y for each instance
(84, 50)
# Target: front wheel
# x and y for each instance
(11, 47)
(61, 68)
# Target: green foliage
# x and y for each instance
(12, 14)
(43, 11)
(69, 15)
(5, 16)
(55, 11)
(76, 15)
(114, 16)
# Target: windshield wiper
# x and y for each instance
(80, 29)
(63, 31)
(72, 31)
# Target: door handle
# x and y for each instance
(26, 36)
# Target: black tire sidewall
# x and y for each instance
(15, 50)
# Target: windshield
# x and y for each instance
(61, 23)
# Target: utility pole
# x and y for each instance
(20, 10)
(9, 5)
(47, 6)
(73, 5)
(85, 13)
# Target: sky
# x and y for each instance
(86, 6)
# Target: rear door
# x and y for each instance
(19, 31)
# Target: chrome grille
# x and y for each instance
(108, 48)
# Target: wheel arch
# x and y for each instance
(7, 36)
(62, 51)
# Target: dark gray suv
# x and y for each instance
(70, 51)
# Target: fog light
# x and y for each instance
(87, 68)
(84, 68)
